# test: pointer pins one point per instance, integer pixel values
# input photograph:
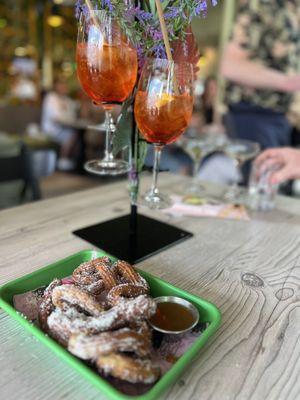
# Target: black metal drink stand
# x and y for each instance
(133, 237)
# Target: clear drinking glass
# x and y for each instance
(239, 151)
(163, 109)
(107, 71)
(261, 192)
(198, 147)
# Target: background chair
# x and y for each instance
(16, 118)
(19, 167)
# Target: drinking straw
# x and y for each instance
(91, 10)
(164, 30)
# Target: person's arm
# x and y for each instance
(286, 158)
(254, 34)
(239, 68)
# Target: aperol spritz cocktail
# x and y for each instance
(163, 109)
(107, 74)
(107, 70)
(162, 118)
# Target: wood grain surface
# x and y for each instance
(250, 270)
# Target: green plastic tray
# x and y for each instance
(60, 269)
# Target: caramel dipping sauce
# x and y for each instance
(174, 315)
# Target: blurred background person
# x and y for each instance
(59, 112)
(260, 64)
(24, 89)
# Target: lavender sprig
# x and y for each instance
(141, 23)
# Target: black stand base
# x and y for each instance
(119, 238)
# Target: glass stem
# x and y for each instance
(157, 156)
(239, 165)
(234, 188)
(196, 168)
(110, 129)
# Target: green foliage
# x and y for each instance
(141, 23)
(123, 134)
(142, 153)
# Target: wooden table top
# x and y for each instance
(254, 354)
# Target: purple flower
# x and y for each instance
(78, 8)
(173, 12)
(142, 15)
(81, 8)
(159, 51)
(156, 34)
(132, 174)
(140, 54)
(107, 4)
(136, 12)
(201, 7)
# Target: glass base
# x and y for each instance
(104, 167)
(235, 195)
(194, 189)
(155, 201)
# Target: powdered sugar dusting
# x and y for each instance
(123, 340)
(65, 296)
(68, 323)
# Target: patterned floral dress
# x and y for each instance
(269, 30)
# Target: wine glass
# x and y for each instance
(239, 151)
(107, 71)
(197, 147)
(163, 109)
